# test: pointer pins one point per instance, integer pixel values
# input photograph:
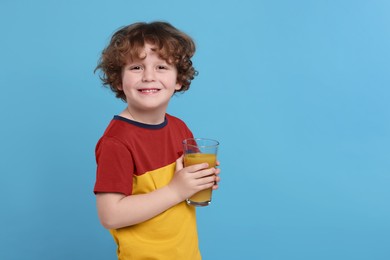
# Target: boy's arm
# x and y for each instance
(116, 210)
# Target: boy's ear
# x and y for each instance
(178, 86)
(119, 86)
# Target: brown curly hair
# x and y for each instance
(172, 45)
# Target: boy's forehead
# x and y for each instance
(149, 47)
(140, 52)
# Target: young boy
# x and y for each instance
(141, 183)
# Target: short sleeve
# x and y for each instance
(115, 167)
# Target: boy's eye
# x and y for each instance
(135, 67)
(162, 67)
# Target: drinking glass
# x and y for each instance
(200, 150)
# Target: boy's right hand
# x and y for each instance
(189, 180)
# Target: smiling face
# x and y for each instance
(148, 84)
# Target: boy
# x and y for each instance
(141, 184)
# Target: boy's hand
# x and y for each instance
(189, 180)
(217, 178)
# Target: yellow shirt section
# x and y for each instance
(170, 235)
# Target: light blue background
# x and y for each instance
(296, 91)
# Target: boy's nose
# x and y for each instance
(148, 75)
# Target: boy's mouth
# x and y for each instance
(149, 90)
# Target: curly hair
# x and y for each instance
(172, 45)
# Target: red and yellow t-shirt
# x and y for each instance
(135, 158)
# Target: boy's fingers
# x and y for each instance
(204, 173)
(198, 167)
(179, 163)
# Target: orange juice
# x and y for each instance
(196, 158)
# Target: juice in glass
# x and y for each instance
(203, 197)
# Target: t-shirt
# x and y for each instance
(135, 158)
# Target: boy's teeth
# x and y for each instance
(149, 90)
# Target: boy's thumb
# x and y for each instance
(179, 163)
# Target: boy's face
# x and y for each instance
(149, 83)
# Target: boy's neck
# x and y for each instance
(145, 117)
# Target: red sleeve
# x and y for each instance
(114, 167)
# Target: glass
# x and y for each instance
(200, 150)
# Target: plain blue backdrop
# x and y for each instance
(297, 92)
